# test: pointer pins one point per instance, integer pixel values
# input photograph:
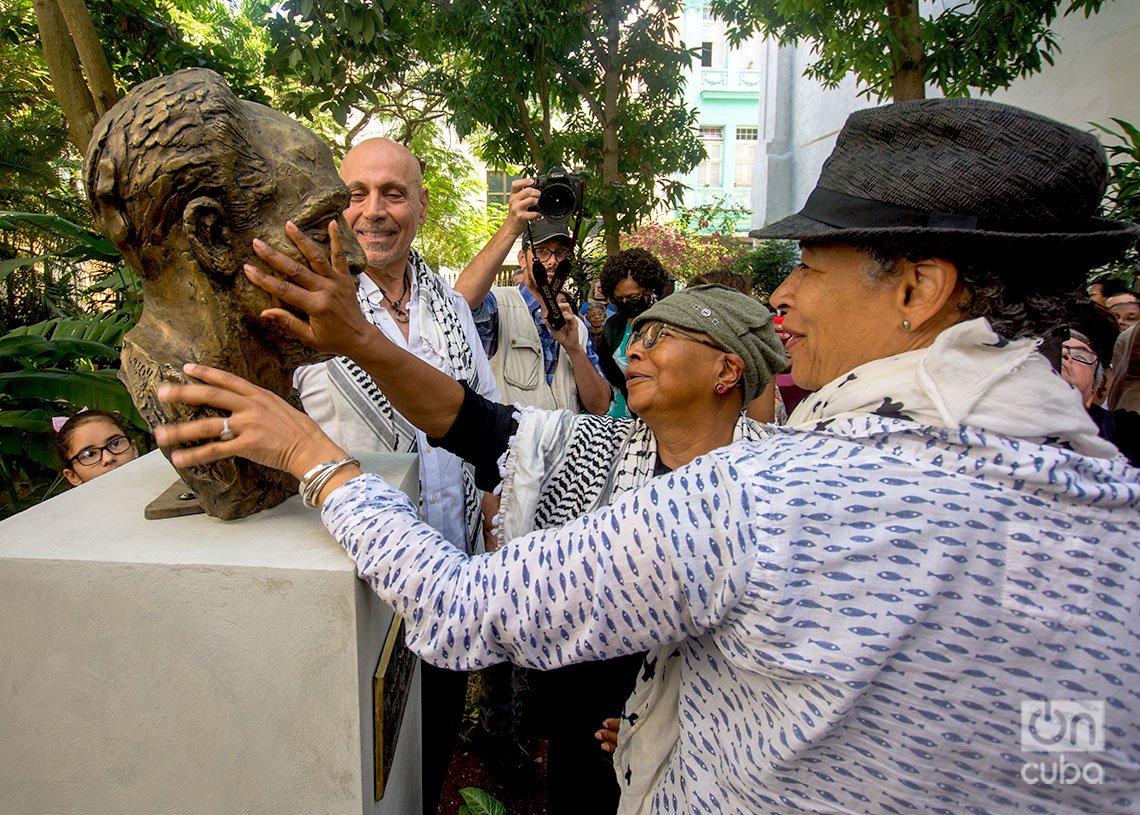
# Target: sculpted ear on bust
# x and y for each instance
(208, 231)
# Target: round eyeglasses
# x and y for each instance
(649, 333)
(546, 254)
(90, 456)
(1078, 354)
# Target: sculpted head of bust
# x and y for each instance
(182, 176)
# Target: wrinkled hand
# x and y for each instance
(324, 290)
(608, 735)
(265, 428)
(523, 205)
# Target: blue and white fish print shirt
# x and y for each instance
(865, 614)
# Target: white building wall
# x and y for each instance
(1094, 78)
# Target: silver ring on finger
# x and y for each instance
(226, 433)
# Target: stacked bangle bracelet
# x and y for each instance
(315, 479)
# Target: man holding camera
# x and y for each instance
(533, 363)
(536, 365)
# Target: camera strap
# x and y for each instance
(549, 283)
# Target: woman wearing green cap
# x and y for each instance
(696, 358)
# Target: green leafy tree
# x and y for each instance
(1122, 198)
(895, 51)
(768, 264)
(595, 84)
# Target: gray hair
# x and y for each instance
(1019, 294)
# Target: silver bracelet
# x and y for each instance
(315, 479)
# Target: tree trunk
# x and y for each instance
(908, 81)
(99, 78)
(66, 74)
(611, 176)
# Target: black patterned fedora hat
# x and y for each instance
(965, 169)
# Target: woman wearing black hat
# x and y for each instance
(921, 595)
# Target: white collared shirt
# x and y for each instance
(441, 480)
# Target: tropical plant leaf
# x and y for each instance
(88, 245)
(9, 266)
(99, 389)
(32, 351)
(26, 421)
(477, 802)
(107, 329)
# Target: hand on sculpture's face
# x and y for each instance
(307, 192)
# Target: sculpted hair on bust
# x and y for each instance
(174, 145)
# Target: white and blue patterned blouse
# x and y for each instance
(861, 614)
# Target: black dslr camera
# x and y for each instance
(560, 193)
(560, 198)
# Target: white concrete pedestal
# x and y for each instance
(190, 665)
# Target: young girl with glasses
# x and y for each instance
(91, 444)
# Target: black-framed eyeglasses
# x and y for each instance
(649, 333)
(1078, 354)
(90, 456)
(546, 254)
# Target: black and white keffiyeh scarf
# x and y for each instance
(561, 465)
(438, 324)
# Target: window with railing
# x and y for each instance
(709, 170)
(713, 54)
(746, 140)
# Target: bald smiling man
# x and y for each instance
(417, 310)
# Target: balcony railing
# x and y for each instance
(731, 79)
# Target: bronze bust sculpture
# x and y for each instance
(182, 175)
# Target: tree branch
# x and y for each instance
(528, 131)
(66, 74)
(94, 61)
(582, 90)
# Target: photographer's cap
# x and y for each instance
(543, 230)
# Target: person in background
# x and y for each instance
(595, 315)
(533, 364)
(597, 298)
(1103, 286)
(1086, 356)
(769, 405)
(632, 280)
(1086, 360)
(90, 444)
(1125, 307)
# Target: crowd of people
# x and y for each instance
(848, 608)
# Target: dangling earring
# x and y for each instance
(720, 387)
(906, 325)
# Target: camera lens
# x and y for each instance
(557, 202)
